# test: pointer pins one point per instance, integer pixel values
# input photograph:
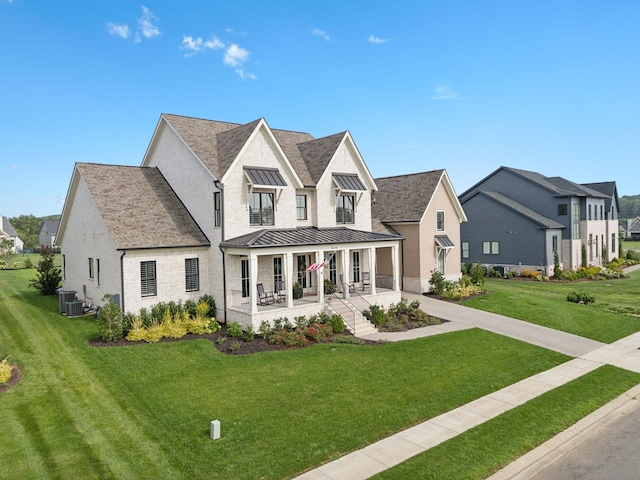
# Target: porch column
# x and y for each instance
(287, 275)
(320, 276)
(395, 265)
(372, 270)
(253, 282)
(344, 265)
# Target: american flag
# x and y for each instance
(319, 265)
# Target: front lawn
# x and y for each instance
(487, 448)
(144, 411)
(545, 303)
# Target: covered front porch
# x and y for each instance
(277, 273)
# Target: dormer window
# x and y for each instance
(344, 209)
(349, 191)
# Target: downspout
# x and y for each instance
(220, 187)
(122, 279)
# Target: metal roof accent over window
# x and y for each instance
(269, 177)
(348, 181)
(444, 241)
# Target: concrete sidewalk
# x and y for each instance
(397, 448)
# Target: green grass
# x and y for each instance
(144, 411)
(631, 246)
(487, 448)
(545, 303)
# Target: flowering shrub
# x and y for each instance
(5, 370)
(400, 316)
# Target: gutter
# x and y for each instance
(124, 252)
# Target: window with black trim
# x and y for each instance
(301, 207)
(344, 209)
(91, 272)
(148, 278)
(465, 249)
(217, 209)
(356, 267)
(192, 274)
(244, 279)
(563, 209)
(98, 270)
(261, 209)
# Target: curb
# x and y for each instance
(539, 458)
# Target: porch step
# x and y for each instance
(354, 321)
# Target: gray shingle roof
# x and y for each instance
(8, 228)
(306, 236)
(536, 217)
(217, 144)
(50, 225)
(404, 198)
(139, 208)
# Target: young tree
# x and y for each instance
(6, 252)
(557, 271)
(48, 277)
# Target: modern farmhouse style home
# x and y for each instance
(257, 217)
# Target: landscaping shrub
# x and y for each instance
(580, 297)
(557, 271)
(633, 255)
(234, 330)
(249, 335)
(375, 314)
(208, 299)
(337, 324)
(18, 265)
(477, 275)
(5, 370)
(349, 339)
(110, 321)
(437, 282)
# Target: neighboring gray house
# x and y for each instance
(229, 210)
(518, 218)
(424, 209)
(47, 233)
(7, 231)
(631, 228)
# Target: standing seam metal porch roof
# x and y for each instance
(262, 176)
(306, 236)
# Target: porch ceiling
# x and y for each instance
(306, 236)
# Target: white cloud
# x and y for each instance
(235, 55)
(373, 39)
(320, 33)
(444, 92)
(118, 30)
(245, 75)
(196, 45)
(146, 22)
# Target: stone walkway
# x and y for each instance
(590, 355)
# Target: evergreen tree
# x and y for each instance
(48, 277)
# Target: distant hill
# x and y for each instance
(630, 206)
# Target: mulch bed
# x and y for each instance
(16, 376)
(259, 344)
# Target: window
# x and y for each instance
(492, 248)
(64, 267)
(562, 209)
(277, 270)
(304, 276)
(191, 274)
(440, 259)
(465, 249)
(245, 278)
(440, 221)
(301, 207)
(217, 209)
(344, 210)
(554, 243)
(575, 220)
(261, 209)
(98, 270)
(613, 242)
(356, 267)
(589, 212)
(601, 212)
(148, 278)
(91, 273)
(332, 270)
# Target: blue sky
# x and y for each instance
(549, 86)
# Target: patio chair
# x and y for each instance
(265, 298)
(366, 280)
(281, 291)
(351, 286)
